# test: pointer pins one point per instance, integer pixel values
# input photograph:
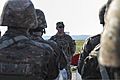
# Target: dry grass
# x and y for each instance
(79, 44)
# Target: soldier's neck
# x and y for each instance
(16, 31)
(60, 34)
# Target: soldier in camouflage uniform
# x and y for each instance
(36, 34)
(88, 46)
(20, 57)
(66, 43)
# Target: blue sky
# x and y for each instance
(79, 16)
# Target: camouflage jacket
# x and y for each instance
(22, 58)
(88, 46)
(66, 43)
(60, 57)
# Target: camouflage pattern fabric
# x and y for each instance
(41, 19)
(36, 34)
(67, 45)
(42, 24)
(23, 58)
(15, 10)
(61, 58)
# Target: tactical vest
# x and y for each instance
(22, 66)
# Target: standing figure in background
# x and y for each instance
(59, 60)
(66, 43)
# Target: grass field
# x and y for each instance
(79, 44)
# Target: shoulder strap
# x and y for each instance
(103, 71)
(9, 42)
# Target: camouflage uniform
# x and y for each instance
(20, 57)
(36, 34)
(67, 44)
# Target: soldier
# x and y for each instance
(109, 51)
(88, 46)
(36, 34)
(66, 43)
(20, 57)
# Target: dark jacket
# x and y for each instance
(88, 46)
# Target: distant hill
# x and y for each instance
(80, 37)
(75, 37)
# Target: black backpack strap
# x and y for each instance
(9, 42)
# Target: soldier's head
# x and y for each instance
(102, 14)
(41, 24)
(19, 14)
(60, 26)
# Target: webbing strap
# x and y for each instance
(9, 42)
(104, 73)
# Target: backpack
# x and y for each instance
(23, 65)
(90, 69)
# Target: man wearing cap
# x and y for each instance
(66, 43)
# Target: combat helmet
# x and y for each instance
(19, 13)
(41, 23)
(41, 19)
